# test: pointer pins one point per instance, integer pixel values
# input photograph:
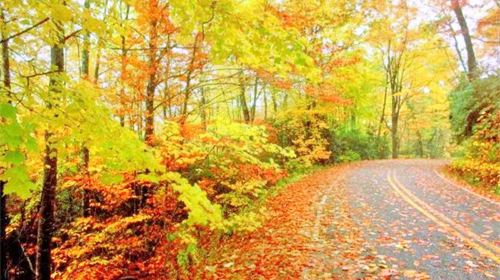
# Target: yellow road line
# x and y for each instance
(478, 243)
(444, 218)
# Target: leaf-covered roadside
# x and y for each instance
(289, 243)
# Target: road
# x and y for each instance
(386, 219)
(416, 222)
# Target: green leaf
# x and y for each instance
(300, 60)
(110, 179)
(18, 181)
(14, 129)
(31, 144)
(149, 177)
(171, 237)
(14, 157)
(7, 111)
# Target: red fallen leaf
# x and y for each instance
(280, 249)
(388, 273)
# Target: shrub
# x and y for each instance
(481, 161)
(304, 131)
(232, 162)
(351, 143)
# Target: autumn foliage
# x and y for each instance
(482, 153)
(138, 136)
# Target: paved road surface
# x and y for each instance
(415, 219)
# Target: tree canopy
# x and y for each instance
(173, 119)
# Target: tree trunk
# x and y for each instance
(187, 91)
(382, 115)
(243, 102)
(395, 77)
(457, 48)
(47, 201)
(265, 105)
(203, 110)
(274, 101)
(150, 116)
(471, 58)
(167, 99)
(5, 59)
(46, 212)
(123, 57)
(98, 49)
(255, 98)
(3, 199)
(85, 150)
(394, 135)
(3, 225)
(151, 87)
(86, 47)
(420, 145)
(86, 193)
(285, 102)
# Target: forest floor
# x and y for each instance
(390, 219)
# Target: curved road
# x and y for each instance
(418, 222)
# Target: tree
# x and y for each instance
(406, 51)
(47, 200)
(85, 149)
(472, 71)
(249, 91)
(7, 119)
(3, 208)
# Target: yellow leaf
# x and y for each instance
(94, 25)
(61, 13)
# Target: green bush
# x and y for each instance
(349, 144)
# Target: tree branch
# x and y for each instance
(71, 35)
(25, 30)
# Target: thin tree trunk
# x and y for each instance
(243, 102)
(85, 150)
(457, 49)
(255, 97)
(151, 86)
(150, 93)
(265, 105)
(382, 115)
(5, 58)
(275, 103)
(167, 99)
(471, 57)
(285, 102)
(395, 78)
(98, 49)
(203, 108)
(3, 225)
(3, 199)
(187, 91)
(123, 57)
(394, 129)
(420, 145)
(46, 212)
(47, 201)
(140, 119)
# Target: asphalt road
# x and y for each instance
(417, 222)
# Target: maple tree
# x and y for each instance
(135, 135)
